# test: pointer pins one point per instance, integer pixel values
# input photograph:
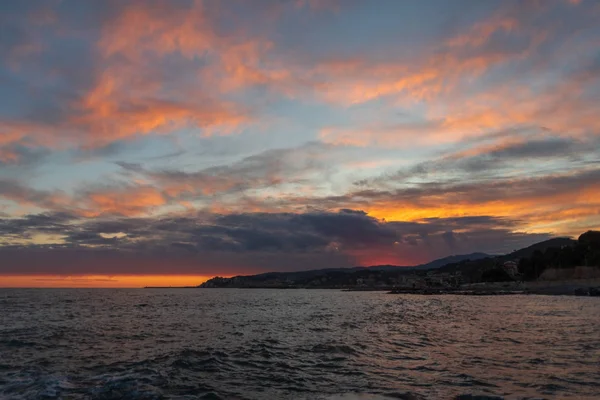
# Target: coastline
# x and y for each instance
(573, 287)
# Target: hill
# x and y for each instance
(452, 270)
(452, 259)
(541, 246)
(446, 273)
(334, 276)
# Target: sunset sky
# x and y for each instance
(165, 142)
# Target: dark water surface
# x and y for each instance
(294, 344)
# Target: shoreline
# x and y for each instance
(589, 288)
(572, 287)
(170, 287)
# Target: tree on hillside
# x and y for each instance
(531, 268)
(497, 274)
(590, 244)
(586, 252)
(590, 239)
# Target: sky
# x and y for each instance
(166, 142)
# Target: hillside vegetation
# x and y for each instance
(558, 253)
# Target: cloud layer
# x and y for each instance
(247, 242)
(223, 137)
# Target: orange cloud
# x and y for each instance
(234, 61)
(25, 196)
(560, 209)
(8, 156)
(446, 79)
(130, 201)
(481, 32)
(428, 74)
(394, 135)
(562, 108)
(133, 93)
(136, 97)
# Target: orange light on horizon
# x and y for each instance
(369, 258)
(99, 281)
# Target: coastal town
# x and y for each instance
(556, 266)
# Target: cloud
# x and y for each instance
(468, 182)
(442, 68)
(36, 223)
(160, 67)
(125, 200)
(499, 158)
(128, 89)
(548, 201)
(400, 135)
(137, 190)
(515, 67)
(215, 244)
(21, 194)
(270, 169)
(22, 155)
(475, 129)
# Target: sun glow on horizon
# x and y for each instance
(99, 281)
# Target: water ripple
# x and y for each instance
(295, 344)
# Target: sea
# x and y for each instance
(295, 344)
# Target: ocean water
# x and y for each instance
(294, 344)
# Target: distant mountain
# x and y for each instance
(452, 259)
(468, 267)
(387, 267)
(440, 262)
(541, 246)
(296, 277)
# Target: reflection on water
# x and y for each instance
(294, 344)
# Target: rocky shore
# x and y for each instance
(579, 287)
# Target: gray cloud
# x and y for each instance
(269, 241)
(497, 160)
(467, 191)
(267, 169)
(20, 193)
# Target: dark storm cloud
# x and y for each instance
(90, 238)
(278, 231)
(350, 227)
(217, 243)
(49, 223)
(305, 231)
(464, 234)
